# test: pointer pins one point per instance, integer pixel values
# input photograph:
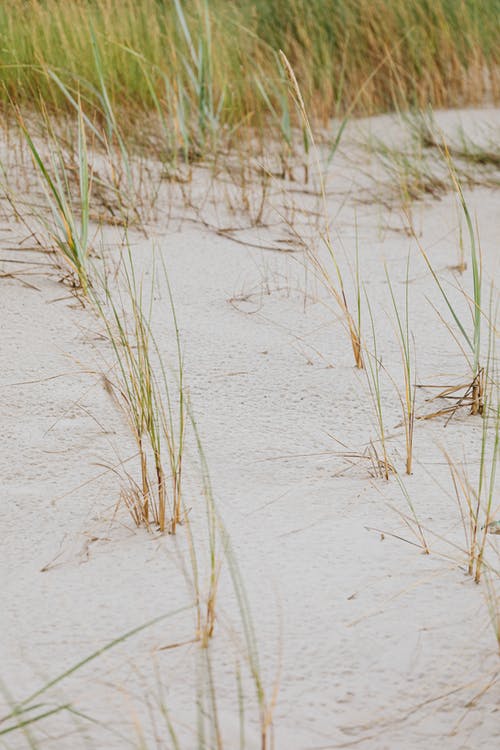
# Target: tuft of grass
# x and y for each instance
(156, 414)
(469, 334)
(66, 224)
(480, 151)
(413, 173)
(426, 165)
(476, 500)
(404, 336)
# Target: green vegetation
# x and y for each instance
(66, 226)
(109, 97)
(209, 63)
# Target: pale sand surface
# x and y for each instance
(380, 647)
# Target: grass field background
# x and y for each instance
(219, 60)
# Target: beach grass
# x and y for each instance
(186, 79)
(208, 64)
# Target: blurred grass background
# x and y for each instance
(217, 59)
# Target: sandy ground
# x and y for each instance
(374, 644)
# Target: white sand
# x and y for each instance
(381, 646)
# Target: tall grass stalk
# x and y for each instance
(409, 384)
(145, 392)
(477, 273)
(113, 130)
(104, 124)
(276, 101)
(335, 287)
(373, 369)
(200, 71)
(490, 442)
(66, 224)
(476, 500)
(218, 534)
(471, 336)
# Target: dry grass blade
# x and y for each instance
(335, 288)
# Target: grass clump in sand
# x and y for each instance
(156, 411)
(476, 497)
(66, 222)
(467, 335)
